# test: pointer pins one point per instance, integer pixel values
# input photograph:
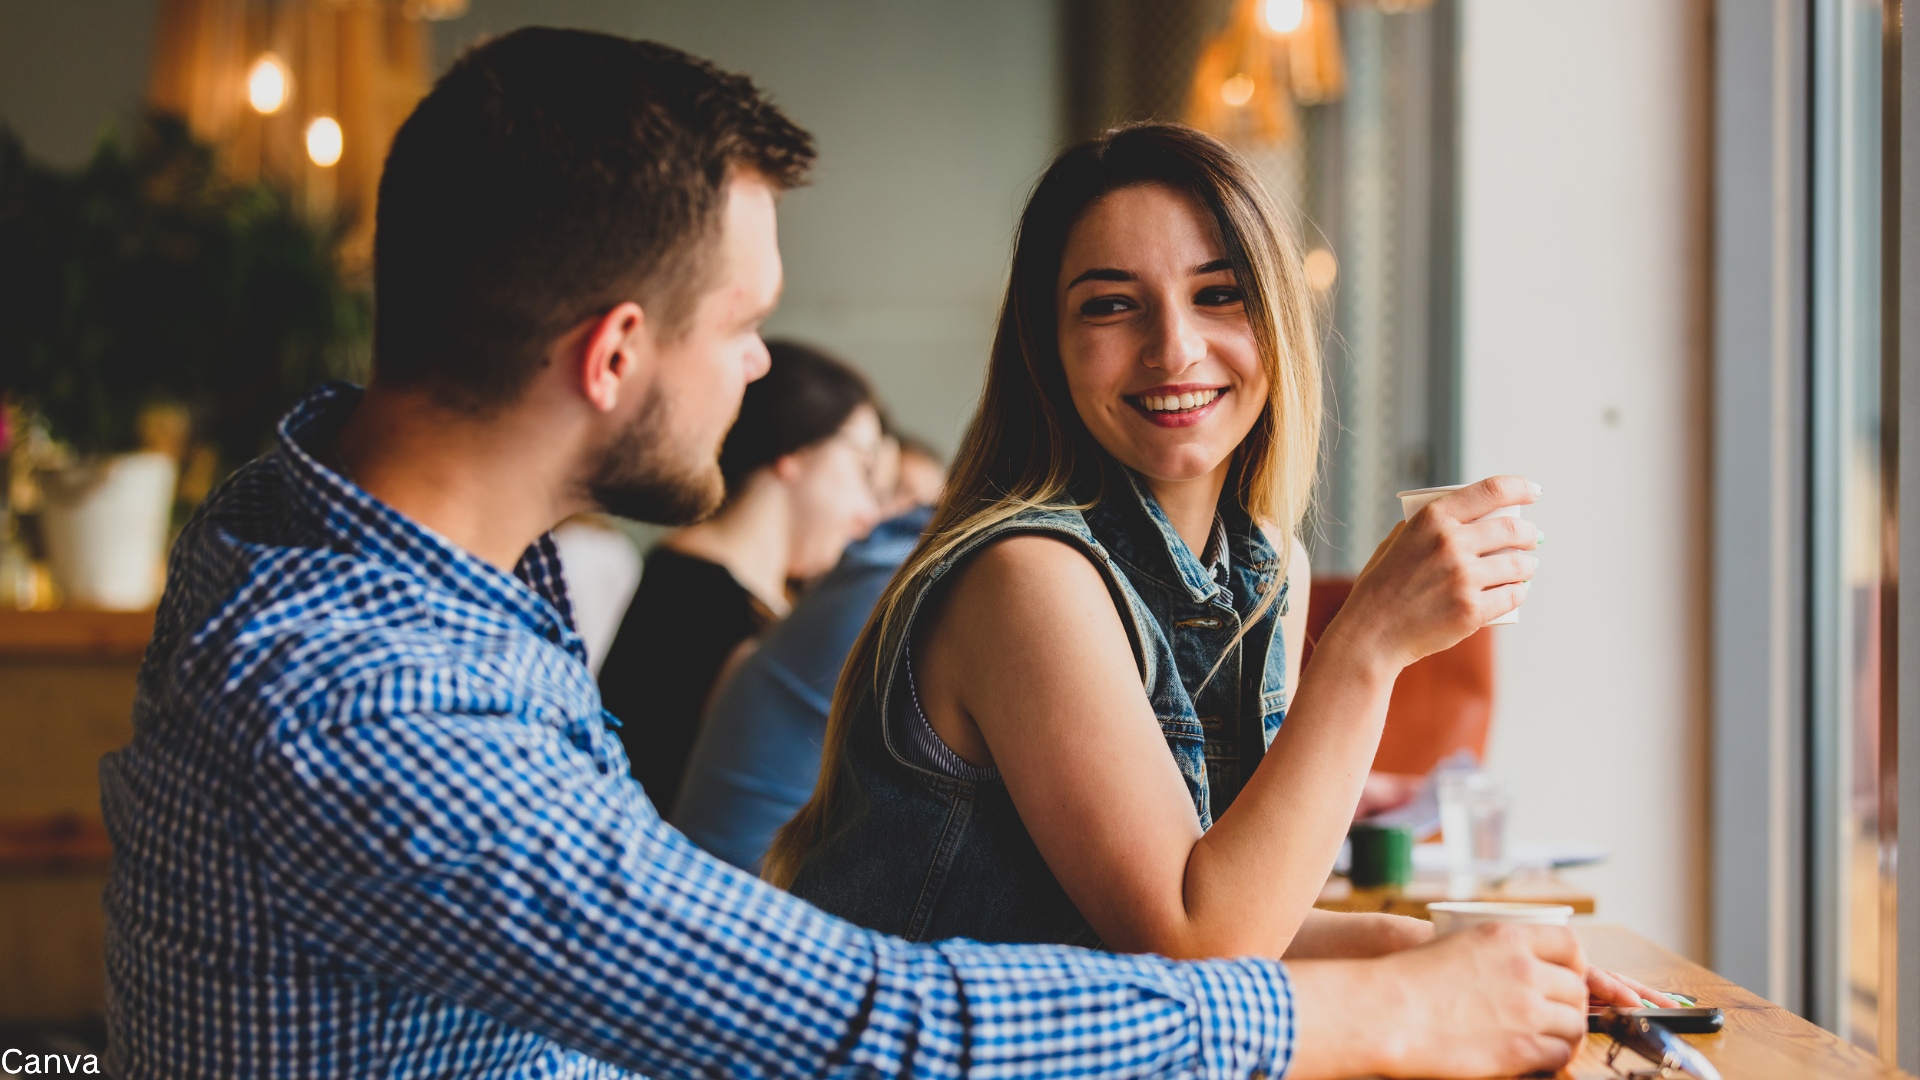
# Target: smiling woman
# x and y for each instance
(1065, 721)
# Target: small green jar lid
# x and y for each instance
(1382, 856)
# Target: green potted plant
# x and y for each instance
(144, 282)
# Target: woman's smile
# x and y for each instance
(1177, 406)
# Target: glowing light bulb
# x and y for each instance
(324, 141)
(1285, 16)
(267, 84)
(1237, 91)
(1321, 268)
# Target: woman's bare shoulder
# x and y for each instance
(1016, 589)
(1027, 633)
(1028, 568)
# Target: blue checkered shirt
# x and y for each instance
(373, 823)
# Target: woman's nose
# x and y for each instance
(1177, 343)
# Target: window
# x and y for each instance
(1806, 556)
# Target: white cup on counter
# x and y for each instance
(1453, 916)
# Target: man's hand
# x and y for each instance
(1495, 1000)
(1611, 988)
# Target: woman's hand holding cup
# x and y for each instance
(1445, 572)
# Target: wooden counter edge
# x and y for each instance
(53, 844)
(75, 634)
(1619, 949)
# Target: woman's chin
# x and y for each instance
(1176, 468)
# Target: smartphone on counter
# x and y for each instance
(1696, 1021)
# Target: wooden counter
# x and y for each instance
(75, 635)
(1762, 1041)
(66, 698)
(1530, 887)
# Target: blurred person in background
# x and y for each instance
(920, 474)
(758, 751)
(799, 465)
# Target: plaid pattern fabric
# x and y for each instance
(372, 823)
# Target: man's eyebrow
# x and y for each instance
(1104, 273)
(1213, 267)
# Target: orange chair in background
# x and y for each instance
(1442, 704)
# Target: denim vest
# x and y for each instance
(925, 856)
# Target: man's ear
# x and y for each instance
(787, 467)
(615, 355)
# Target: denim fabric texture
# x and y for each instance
(758, 751)
(372, 823)
(926, 856)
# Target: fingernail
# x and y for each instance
(1539, 537)
(1535, 487)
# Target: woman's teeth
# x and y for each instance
(1177, 402)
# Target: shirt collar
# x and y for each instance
(1218, 556)
(1198, 577)
(535, 594)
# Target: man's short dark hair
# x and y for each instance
(550, 175)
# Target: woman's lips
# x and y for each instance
(1178, 417)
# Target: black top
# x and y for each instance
(687, 617)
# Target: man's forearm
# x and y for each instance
(1337, 1039)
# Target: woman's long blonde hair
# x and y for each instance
(1027, 441)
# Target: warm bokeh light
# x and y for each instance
(1237, 91)
(1285, 16)
(1321, 268)
(324, 141)
(267, 84)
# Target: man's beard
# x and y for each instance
(642, 476)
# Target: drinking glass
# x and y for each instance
(1473, 822)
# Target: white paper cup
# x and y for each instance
(1453, 916)
(1412, 501)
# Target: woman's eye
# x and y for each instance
(1219, 296)
(1106, 305)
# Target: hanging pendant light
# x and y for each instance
(325, 141)
(268, 84)
(1239, 84)
(1284, 16)
(1271, 56)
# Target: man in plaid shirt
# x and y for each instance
(373, 822)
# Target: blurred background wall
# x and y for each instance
(1584, 275)
(69, 70)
